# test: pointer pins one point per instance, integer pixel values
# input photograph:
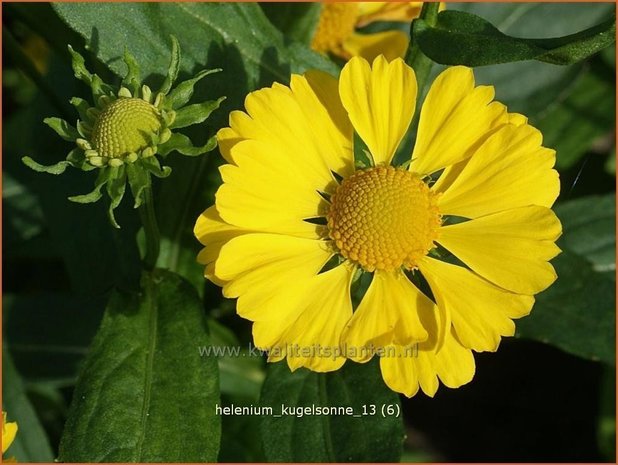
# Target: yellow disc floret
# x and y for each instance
(124, 126)
(337, 22)
(384, 218)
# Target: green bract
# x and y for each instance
(123, 131)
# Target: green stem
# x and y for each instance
(151, 229)
(414, 56)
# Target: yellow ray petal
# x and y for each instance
(511, 169)
(313, 339)
(455, 116)
(226, 139)
(380, 102)
(331, 131)
(451, 172)
(272, 274)
(391, 44)
(388, 11)
(9, 430)
(213, 233)
(481, 312)
(406, 370)
(510, 248)
(301, 121)
(267, 191)
(392, 311)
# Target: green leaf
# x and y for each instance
(589, 229)
(241, 27)
(58, 168)
(461, 38)
(182, 144)
(145, 394)
(577, 313)
(297, 21)
(173, 68)
(240, 372)
(326, 438)
(62, 128)
(183, 92)
(572, 125)
(195, 114)
(31, 443)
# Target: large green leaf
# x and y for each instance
(461, 38)
(31, 443)
(145, 394)
(589, 229)
(297, 20)
(331, 438)
(577, 313)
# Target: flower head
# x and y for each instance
(9, 430)
(336, 30)
(457, 240)
(123, 129)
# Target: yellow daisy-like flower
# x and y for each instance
(295, 222)
(336, 29)
(9, 430)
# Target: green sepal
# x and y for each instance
(77, 159)
(132, 79)
(62, 128)
(139, 179)
(183, 92)
(99, 88)
(58, 168)
(79, 67)
(195, 114)
(153, 166)
(362, 156)
(172, 71)
(182, 144)
(81, 106)
(95, 195)
(92, 80)
(82, 129)
(116, 185)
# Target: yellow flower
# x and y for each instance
(295, 222)
(336, 30)
(9, 430)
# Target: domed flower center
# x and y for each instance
(384, 218)
(124, 126)
(337, 22)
